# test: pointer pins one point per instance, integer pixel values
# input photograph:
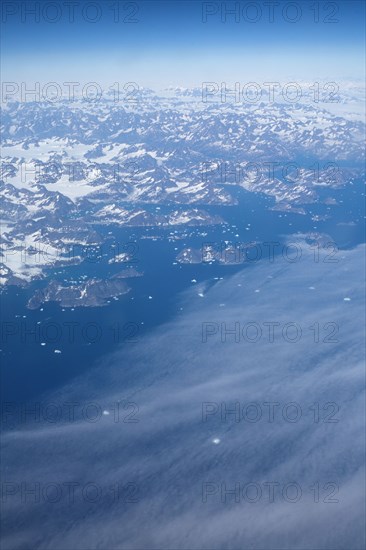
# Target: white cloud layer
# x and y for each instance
(171, 454)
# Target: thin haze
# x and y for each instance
(171, 453)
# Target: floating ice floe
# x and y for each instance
(150, 297)
(346, 299)
(216, 441)
(193, 280)
(200, 294)
(43, 343)
(57, 351)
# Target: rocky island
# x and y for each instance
(93, 293)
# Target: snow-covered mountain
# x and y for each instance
(69, 167)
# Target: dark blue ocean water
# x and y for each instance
(85, 335)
